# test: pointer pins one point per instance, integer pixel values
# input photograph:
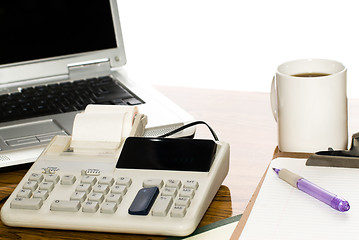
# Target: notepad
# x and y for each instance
(282, 212)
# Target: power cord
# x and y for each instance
(191, 125)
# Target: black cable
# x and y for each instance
(191, 125)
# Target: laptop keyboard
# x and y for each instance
(63, 97)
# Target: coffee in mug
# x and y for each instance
(310, 74)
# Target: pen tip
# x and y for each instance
(344, 206)
(276, 170)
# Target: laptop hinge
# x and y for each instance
(99, 67)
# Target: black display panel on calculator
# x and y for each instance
(176, 154)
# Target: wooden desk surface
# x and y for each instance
(242, 119)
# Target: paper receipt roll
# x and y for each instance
(102, 127)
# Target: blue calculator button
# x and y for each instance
(143, 201)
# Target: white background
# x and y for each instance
(235, 44)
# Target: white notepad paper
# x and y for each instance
(284, 212)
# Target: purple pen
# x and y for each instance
(313, 190)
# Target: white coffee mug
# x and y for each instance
(309, 103)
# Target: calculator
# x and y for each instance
(115, 192)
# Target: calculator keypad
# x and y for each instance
(104, 194)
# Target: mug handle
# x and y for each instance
(273, 99)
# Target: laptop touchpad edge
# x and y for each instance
(31, 133)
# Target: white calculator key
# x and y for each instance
(24, 193)
(109, 207)
(36, 177)
(173, 183)
(43, 194)
(90, 207)
(187, 192)
(153, 183)
(178, 211)
(68, 179)
(96, 197)
(26, 203)
(52, 178)
(32, 185)
(84, 187)
(183, 201)
(124, 181)
(65, 206)
(89, 180)
(167, 191)
(121, 189)
(162, 206)
(78, 196)
(101, 188)
(113, 197)
(46, 186)
(106, 180)
(191, 184)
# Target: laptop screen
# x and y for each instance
(39, 29)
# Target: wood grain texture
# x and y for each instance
(242, 119)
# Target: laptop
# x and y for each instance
(55, 58)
